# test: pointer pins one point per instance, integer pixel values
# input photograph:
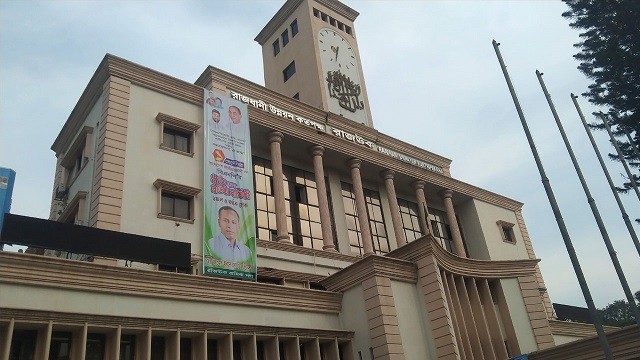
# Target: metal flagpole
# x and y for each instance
(592, 204)
(625, 216)
(556, 212)
(620, 156)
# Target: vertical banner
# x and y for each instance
(229, 236)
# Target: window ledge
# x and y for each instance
(176, 151)
(173, 218)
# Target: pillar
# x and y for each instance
(453, 222)
(361, 206)
(396, 218)
(275, 139)
(423, 215)
(323, 201)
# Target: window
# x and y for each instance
(289, 71)
(176, 202)
(294, 28)
(296, 96)
(77, 157)
(347, 29)
(285, 38)
(506, 231)
(376, 221)
(127, 347)
(316, 12)
(176, 206)
(176, 139)
(276, 47)
(177, 134)
(95, 349)
(60, 347)
(301, 201)
(410, 220)
(441, 229)
(332, 21)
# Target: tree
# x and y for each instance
(610, 56)
(618, 313)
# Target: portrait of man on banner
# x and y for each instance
(229, 239)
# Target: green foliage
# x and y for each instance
(610, 56)
(618, 313)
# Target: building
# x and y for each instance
(368, 247)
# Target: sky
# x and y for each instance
(431, 74)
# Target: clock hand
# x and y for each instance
(337, 49)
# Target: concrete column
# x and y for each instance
(323, 201)
(423, 216)
(361, 206)
(453, 222)
(275, 139)
(396, 218)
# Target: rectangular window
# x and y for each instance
(177, 134)
(289, 71)
(285, 38)
(506, 230)
(176, 206)
(332, 21)
(294, 28)
(176, 139)
(410, 221)
(376, 221)
(276, 47)
(95, 347)
(316, 12)
(348, 29)
(60, 348)
(127, 347)
(175, 201)
(441, 229)
(301, 201)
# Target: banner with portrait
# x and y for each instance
(229, 236)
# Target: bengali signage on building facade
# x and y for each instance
(336, 132)
(229, 237)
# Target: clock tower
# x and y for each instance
(310, 53)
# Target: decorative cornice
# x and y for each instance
(25, 269)
(427, 245)
(43, 317)
(290, 6)
(176, 188)
(291, 248)
(373, 265)
(179, 123)
(340, 8)
(112, 65)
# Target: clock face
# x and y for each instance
(341, 75)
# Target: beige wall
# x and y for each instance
(146, 162)
(563, 339)
(483, 235)
(84, 302)
(519, 316)
(354, 317)
(413, 322)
